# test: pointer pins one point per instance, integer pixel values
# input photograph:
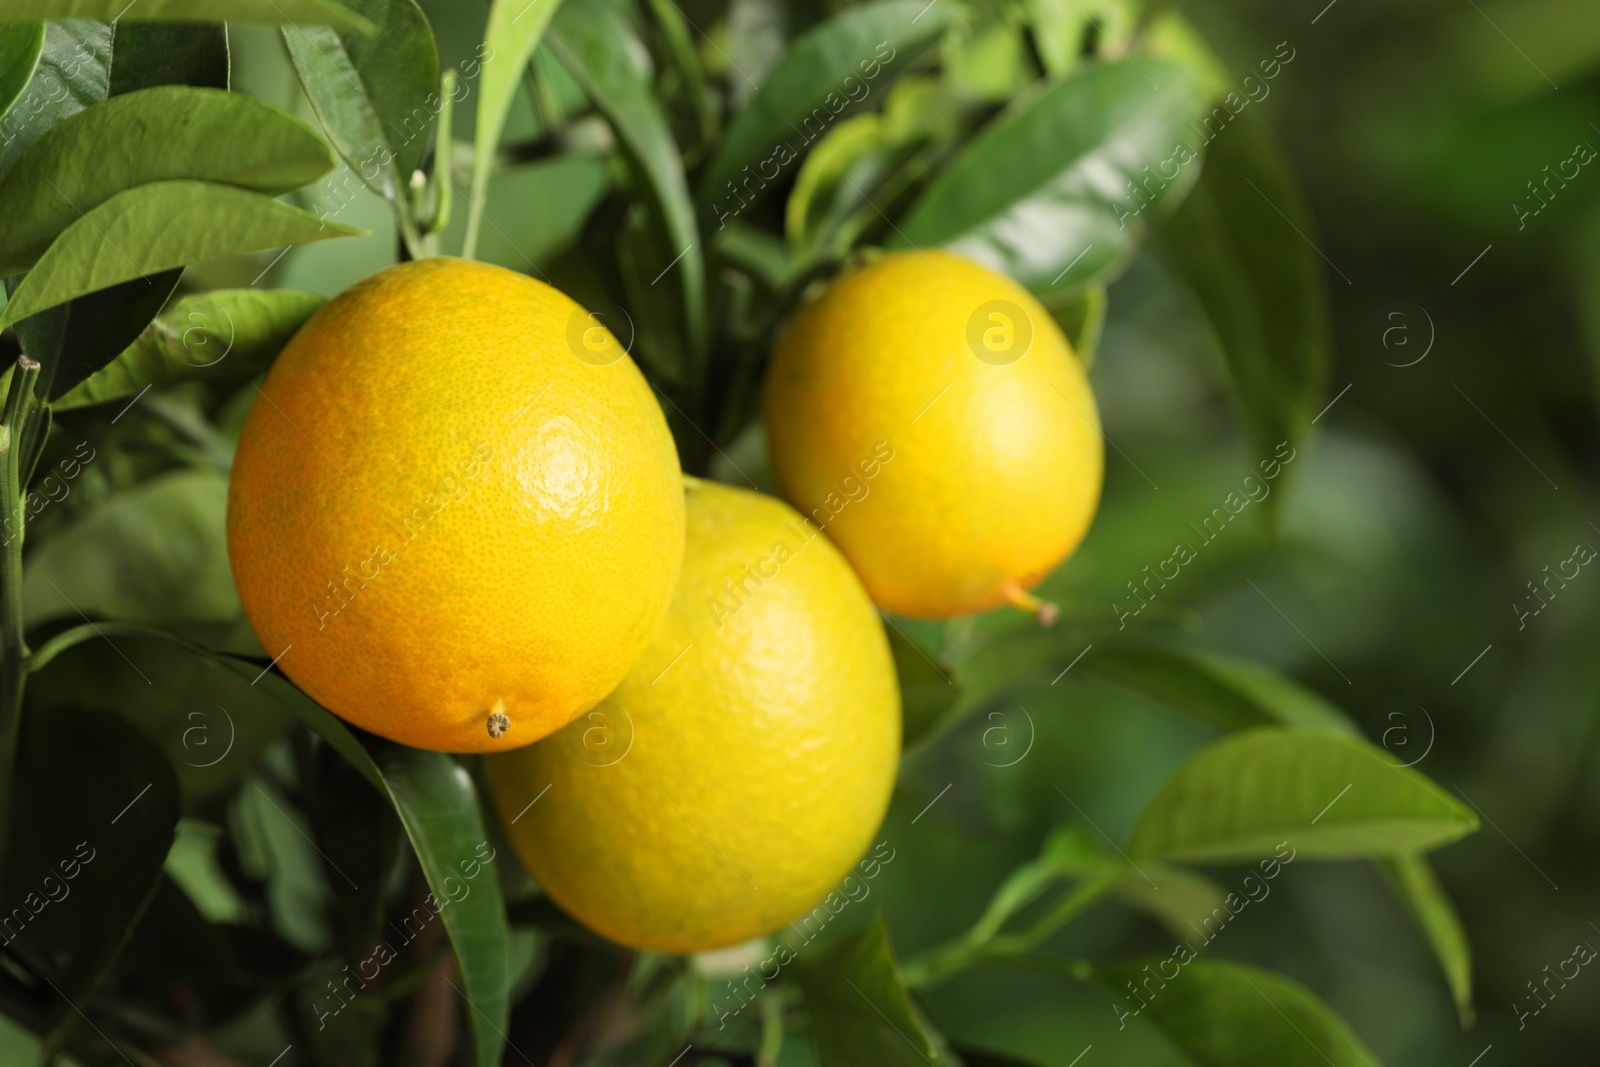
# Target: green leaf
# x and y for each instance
(310, 11)
(168, 53)
(595, 45)
(1055, 191)
(1414, 882)
(156, 553)
(827, 70)
(438, 807)
(225, 334)
(1177, 897)
(1227, 694)
(1327, 796)
(157, 227)
(928, 689)
(1243, 242)
(20, 45)
(376, 95)
(863, 167)
(209, 724)
(1058, 34)
(514, 31)
(75, 339)
(861, 1014)
(73, 72)
(82, 62)
(358, 837)
(1232, 1015)
(159, 134)
(88, 870)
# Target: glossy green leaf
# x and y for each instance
(1231, 1015)
(87, 846)
(827, 166)
(1413, 881)
(155, 553)
(1327, 796)
(145, 54)
(515, 29)
(308, 11)
(220, 335)
(1058, 190)
(861, 1014)
(75, 339)
(73, 72)
(376, 94)
(164, 133)
(157, 227)
(439, 807)
(20, 45)
(82, 62)
(928, 688)
(1223, 693)
(860, 170)
(595, 45)
(1243, 242)
(827, 70)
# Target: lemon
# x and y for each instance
(930, 416)
(455, 513)
(743, 764)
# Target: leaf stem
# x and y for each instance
(981, 945)
(13, 645)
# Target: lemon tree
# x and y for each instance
(859, 255)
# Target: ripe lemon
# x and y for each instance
(932, 418)
(743, 764)
(456, 512)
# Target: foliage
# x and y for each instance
(695, 172)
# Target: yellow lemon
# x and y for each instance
(744, 763)
(931, 417)
(456, 513)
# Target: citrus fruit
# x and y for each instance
(743, 764)
(455, 513)
(931, 417)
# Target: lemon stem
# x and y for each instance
(1044, 612)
